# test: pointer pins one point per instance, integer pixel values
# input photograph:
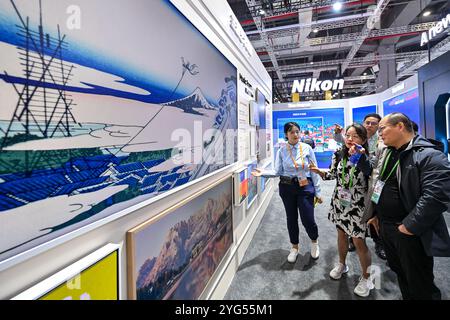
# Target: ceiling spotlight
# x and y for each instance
(426, 13)
(365, 74)
(337, 6)
(316, 30)
(311, 62)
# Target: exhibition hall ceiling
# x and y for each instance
(372, 44)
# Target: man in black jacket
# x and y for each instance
(411, 194)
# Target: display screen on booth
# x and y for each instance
(359, 113)
(407, 103)
(319, 122)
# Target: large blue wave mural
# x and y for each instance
(89, 113)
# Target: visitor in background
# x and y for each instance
(308, 139)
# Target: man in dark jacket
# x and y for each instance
(411, 194)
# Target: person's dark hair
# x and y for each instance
(306, 133)
(415, 126)
(362, 133)
(372, 115)
(397, 117)
(288, 126)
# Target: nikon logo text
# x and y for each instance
(307, 85)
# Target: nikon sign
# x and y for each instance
(311, 85)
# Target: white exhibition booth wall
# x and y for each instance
(30, 261)
(323, 114)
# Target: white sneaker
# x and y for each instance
(292, 255)
(315, 251)
(364, 286)
(338, 271)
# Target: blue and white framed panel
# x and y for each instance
(262, 181)
(359, 113)
(252, 184)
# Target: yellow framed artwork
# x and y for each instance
(95, 277)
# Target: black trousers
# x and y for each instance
(375, 237)
(407, 258)
(297, 200)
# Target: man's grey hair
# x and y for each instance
(397, 117)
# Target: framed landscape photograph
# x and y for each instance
(174, 254)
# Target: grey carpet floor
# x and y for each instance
(265, 274)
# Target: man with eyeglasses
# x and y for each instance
(370, 122)
(411, 192)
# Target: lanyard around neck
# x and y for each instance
(385, 165)
(293, 159)
(352, 173)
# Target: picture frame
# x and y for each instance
(254, 113)
(262, 181)
(253, 142)
(240, 186)
(94, 277)
(175, 254)
(252, 185)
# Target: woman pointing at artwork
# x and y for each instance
(298, 188)
(351, 168)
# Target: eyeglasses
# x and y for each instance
(371, 123)
(355, 136)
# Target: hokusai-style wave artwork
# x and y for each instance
(174, 255)
(93, 111)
